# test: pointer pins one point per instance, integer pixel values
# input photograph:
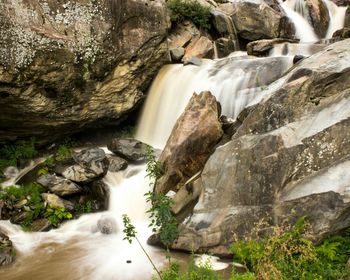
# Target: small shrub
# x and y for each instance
(57, 214)
(190, 9)
(85, 208)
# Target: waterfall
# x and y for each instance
(337, 17)
(303, 30)
(236, 81)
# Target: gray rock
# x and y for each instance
(40, 225)
(7, 251)
(177, 54)
(224, 46)
(107, 225)
(128, 148)
(193, 61)
(86, 166)
(100, 192)
(59, 185)
(289, 158)
(116, 163)
(55, 201)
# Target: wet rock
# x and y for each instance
(223, 23)
(116, 163)
(100, 192)
(131, 149)
(40, 225)
(263, 47)
(87, 64)
(182, 34)
(18, 217)
(55, 201)
(201, 47)
(224, 47)
(7, 251)
(107, 225)
(289, 158)
(197, 130)
(347, 18)
(193, 61)
(249, 18)
(343, 33)
(341, 2)
(177, 54)
(297, 58)
(318, 16)
(20, 204)
(59, 185)
(85, 166)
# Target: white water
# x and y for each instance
(303, 30)
(236, 82)
(337, 17)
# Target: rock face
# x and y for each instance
(7, 252)
(263, 47)
(289, 158)
(318, 16)
(192, 140)
(65, 65)
(59, 185)
(249, 18)
(55, 201)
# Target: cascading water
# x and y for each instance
(337, 17)
(237, 82)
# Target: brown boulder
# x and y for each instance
(191, 142)
(201, 47)
(263, 47)
(318, 16)
(66, 65)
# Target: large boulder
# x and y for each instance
(55, 201)
(289, 158)
(318, 16)
(129, 148)
(192, 140)
(66, 65)
(256, 20)
(59, 185)
(201, 47)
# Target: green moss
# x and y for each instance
(190, 9)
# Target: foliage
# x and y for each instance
(129, 230)
(127, 131)
(154, 168)
(86, 207)
(10, 154)
(32, 193)
(287, 255)
(57, 214)
(162, 219)
(193, 272)
(190, 9)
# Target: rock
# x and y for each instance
(348, 263)
(223, 23)
(85, 166)
(347, 18)
(67, 65)
(341, 2)
(201, 47)
(55, 201)
(289, 158)
(116, 163)
(297, 58)
(318, 16)
(99, 191)
(107, 225)
(177, 53)
(182, 34)
(193, 61)
(59, 185)
(40, 225)
(7, 251)
(18, 217)
(263, 47)
(20, 204)
(249, 18)
(131, 149)
(224, 47)
(197, 130)
(343, 33)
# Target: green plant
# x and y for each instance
(288, 255)
(85, 207)
(190, 9)
(57, 214)
(130, 234)
(154, 167)
(10, 154)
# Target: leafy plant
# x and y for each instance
(190, 9)
(86, 207)
(57, 214)
(154, 167)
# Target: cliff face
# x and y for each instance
(65, 65)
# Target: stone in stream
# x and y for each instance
(192, 140)
(107, 225)
(7, 251)
(128, 148)
(85, 166)
(55, 201)
(289, 158)
(59, 185)
(116, 163)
